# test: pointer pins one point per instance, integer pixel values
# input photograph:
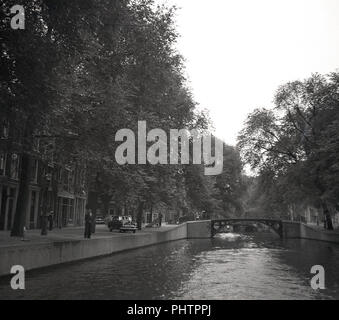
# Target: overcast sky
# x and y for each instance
(239, 51)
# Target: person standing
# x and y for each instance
(44, 223)
(50, 220)
(88, 223)
(160, 219)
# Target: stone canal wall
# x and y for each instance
(38, 255)
(307, 232)
(300, 230)
(291, 229)
(199, 229)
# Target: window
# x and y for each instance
(2, 164)
(71, 211)
(36, 144)
(10, 216)
(71, 178)
(82, 178)
(4, 130)
(14, 168)
(59, 175)
(65, 179)
(34, 172)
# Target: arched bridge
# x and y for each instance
(218, 225)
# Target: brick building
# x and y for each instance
(53, 187)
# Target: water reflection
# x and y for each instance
(230, 266)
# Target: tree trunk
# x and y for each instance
(94, 217)
(106, 200)
(139, 215)
(92, 202)
(44, 213)
(327, 214)
(327, 217)
(106, 207)
(21, 208)
(151, 219)
(329, 222)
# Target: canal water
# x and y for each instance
(230, 266)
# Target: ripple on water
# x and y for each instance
(228, 267)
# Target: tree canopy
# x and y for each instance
(83, 69)
(294, 146)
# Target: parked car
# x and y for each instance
(128, 227)
(114, 224)
(100, 220)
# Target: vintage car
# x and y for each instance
(128, 227)
(99, 220)
(117, 222)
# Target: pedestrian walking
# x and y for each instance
(50, 220)
(88, 223)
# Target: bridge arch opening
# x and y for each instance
(220, 225)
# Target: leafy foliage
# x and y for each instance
(294, 147)
(84, 69)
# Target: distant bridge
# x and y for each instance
(218, 225)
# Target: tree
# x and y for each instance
(85, 69)
(230, 185)
(290, 142)
(26, 90)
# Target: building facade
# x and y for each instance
(54, 188)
